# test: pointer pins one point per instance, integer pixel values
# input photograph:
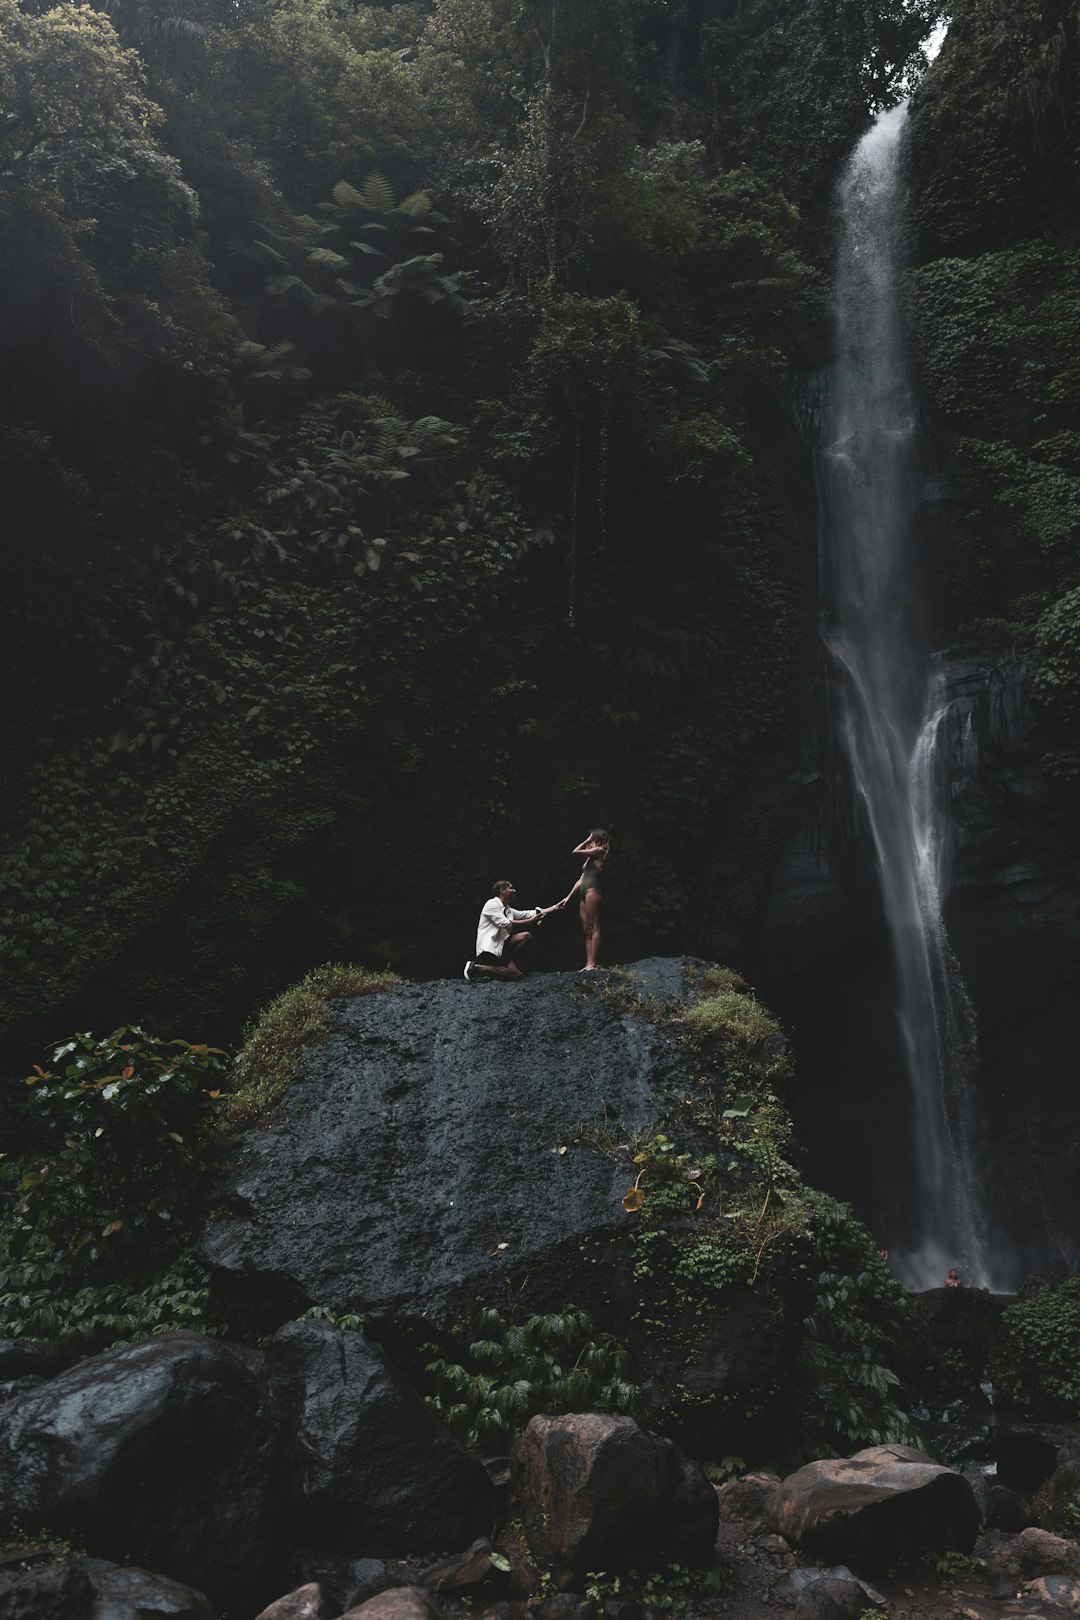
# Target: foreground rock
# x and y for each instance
(880, 1507)
(598, 1493)
(310, 1602)
(92, 1589)
(160, 1451)
(371, 1467)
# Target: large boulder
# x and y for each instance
(161, 1451)
(453, 1101)
(597, 1492)
(485, 1116)
(371, 1468)
(875, 1509)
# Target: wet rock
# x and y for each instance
(841, 1591)
(1001, 1557)
(139, 1594)
(598, 1493)
(160, 1450)
(1054, 1502)
(371, 1466)
(412, 1085)
(60, 1591)
(1040, 1553)
(882, 1505)
(745, 1498)
(469, 1568)
(1061, 1590)
(19, 1386)
(831, 1599)
(1007, 1510)
(310, 1602)
(93, 1589)
(368, 1576)
(400, 1603)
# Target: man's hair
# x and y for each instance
(497, 888)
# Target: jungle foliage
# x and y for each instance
(393, 409)
(995, 305)
(377, 381)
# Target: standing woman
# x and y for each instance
(596, 849)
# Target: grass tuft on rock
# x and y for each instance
(289, 1026)
(731, 1022)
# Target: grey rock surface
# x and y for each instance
(159, 1451)
(94, 1589)
(127, 1593)
(822, 1594)
(875, 1509)
(370, 1466)
(59, 1591)
(417, 1162)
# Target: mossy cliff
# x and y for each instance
(995, 313)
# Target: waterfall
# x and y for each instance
(891, 712)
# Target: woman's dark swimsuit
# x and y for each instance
(590, 879)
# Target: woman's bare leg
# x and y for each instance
(590, 925)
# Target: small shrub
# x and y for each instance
(859, 1313)
(290, 1025)
(93, 1238)
(732, 1025)
(1036, 1360)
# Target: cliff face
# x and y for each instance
(1014, 927)
(992, 297)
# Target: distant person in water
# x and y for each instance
(953, 1279)
(595, 848)
(501, 933)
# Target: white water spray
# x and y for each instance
(892, 708)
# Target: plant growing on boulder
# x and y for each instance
(293, 1023)
(554, 1363)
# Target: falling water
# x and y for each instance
(892, 707)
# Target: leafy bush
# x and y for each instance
(1036, 1360)
(293, 1022)
(858, 1315)
(555, 1363)
(92, 1240)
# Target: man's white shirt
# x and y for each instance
(497, 923)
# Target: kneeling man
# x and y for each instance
(501, 933)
